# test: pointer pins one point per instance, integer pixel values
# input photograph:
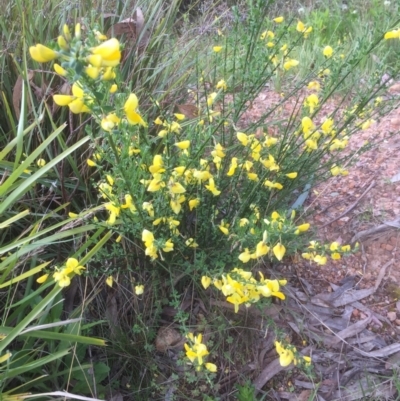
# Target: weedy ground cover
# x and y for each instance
(133, 189)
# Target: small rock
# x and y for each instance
(389, 247)
(392, 316)
(397, 321)
(363, 315)
(355, 313)
(167, 337)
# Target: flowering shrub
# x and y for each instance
(198, 194)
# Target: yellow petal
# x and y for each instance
(139, 289)
(42, 279)
(109, 281)
(279, 251)
(107, 48)
(63, 100)
(211, 367)
(205, 282)
(59, 70)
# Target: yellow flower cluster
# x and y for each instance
(278, 224)
(196, 351)
(318, 252)
(326, 136)
(153, 247)
(240, 287)
(97, 62)
(288, 355)
(63, 276)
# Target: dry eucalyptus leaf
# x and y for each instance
(188, 110)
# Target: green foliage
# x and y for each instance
(246, 392)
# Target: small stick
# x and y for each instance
(352, 206)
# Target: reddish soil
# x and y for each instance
(380, 167)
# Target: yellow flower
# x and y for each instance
(270, 184)
(100, 36)
(108, 74)
(66, 32)
(279, 251)
(302, 227)
(147, 238)
(367, 124)
(42, 279)
(114, 212)
(148, 207)
(334, 246)
(291, 175)
(335, 256)
(278, 20)
(346, 248)
(179, 116)
(193, 203)
(270, 163)
(314, 85)
(72, 215)
(41, 162)
(109, 122)
(191, 243)
(261, 249)
(327, 126)
(232, 167)
(307, 125)
(130, 108)
(210, 98)
(286, 356)
(168, 246)
(303, 29)
(92, 72)
(75, 102)
(287, 65)
(211, 367)
(139, 289)
(42, 54)
(320, 260)
(183, 144)
(205, 282)
(224, 227)
(72, 266)
(243, 222)
(113, 88)
(62, 278)
(78, 31)
(395, 34)
(62, 43)
(243, 138)
(336, 170)
(327, 52)
(109, 52)
(212, 188)
(109, 281)
(222, 85)
(311, 102)
(217, 49)
(59, 70)
(91, 163)
(128, 205)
